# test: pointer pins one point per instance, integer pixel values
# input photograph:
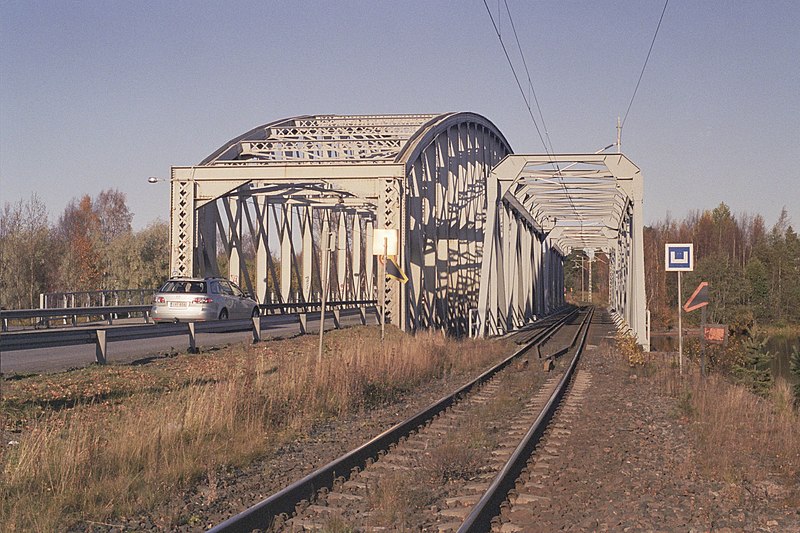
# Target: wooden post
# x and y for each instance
(703, 342)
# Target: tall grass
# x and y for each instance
(103, 460)
(739, 436)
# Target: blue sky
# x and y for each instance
(97, 95)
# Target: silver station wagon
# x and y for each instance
(194, 299)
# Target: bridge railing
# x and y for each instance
(100, 298)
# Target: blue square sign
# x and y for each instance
(679, 257)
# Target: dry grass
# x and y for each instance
(738, 435)
(125, 450)
(401, 498)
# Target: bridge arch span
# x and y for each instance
(288, 204)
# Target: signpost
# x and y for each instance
(384, 244)
(325, 276)
(679, 258)
(698, 299)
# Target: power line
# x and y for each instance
(549, 151)
(514, 72)
(666, 3)
(528, 74)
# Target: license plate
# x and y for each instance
(178, 304)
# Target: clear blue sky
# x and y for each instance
(98, 95)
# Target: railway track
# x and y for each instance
(463, 464)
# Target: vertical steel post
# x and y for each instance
(680, 326)
(383, 286)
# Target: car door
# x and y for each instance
(228, 299)
(242, 302)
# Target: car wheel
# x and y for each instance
(255, 313)
(223, 315)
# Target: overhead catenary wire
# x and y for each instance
(549, 151)
(641, 74)
(516, 77)
(528, 74)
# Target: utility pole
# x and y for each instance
(619, 136)
(583, 293)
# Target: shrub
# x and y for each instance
(753, 371)
(795, 369)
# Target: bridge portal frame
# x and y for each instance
(423, 175)
(547, 205)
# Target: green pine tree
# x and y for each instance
(794, 361)
(754, 371)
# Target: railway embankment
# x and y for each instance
(648, 449)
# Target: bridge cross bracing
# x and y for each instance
(589, 202)
(264, 201)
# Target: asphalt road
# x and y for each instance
(67, 357)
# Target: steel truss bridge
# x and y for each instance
(483, 232)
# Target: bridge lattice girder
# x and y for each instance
(268, 197)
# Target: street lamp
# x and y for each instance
(153, 179)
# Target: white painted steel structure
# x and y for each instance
(544, 206)
(264, 200)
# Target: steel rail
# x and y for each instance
(261, 514)
(488, 507)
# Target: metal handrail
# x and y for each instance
(100, 298)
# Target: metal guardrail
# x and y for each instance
(109, 313)
(72, 313)
(100, 337)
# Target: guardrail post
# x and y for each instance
(303, 323)
(110, 317)
(146, 317)
(5, 324)
(100, 347)
(256, 329)
(192, 339)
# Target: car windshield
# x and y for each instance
(182, 286)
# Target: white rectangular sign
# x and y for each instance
(679, 257)
(384, 238)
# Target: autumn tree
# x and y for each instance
(79, 232)
(26, 258)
